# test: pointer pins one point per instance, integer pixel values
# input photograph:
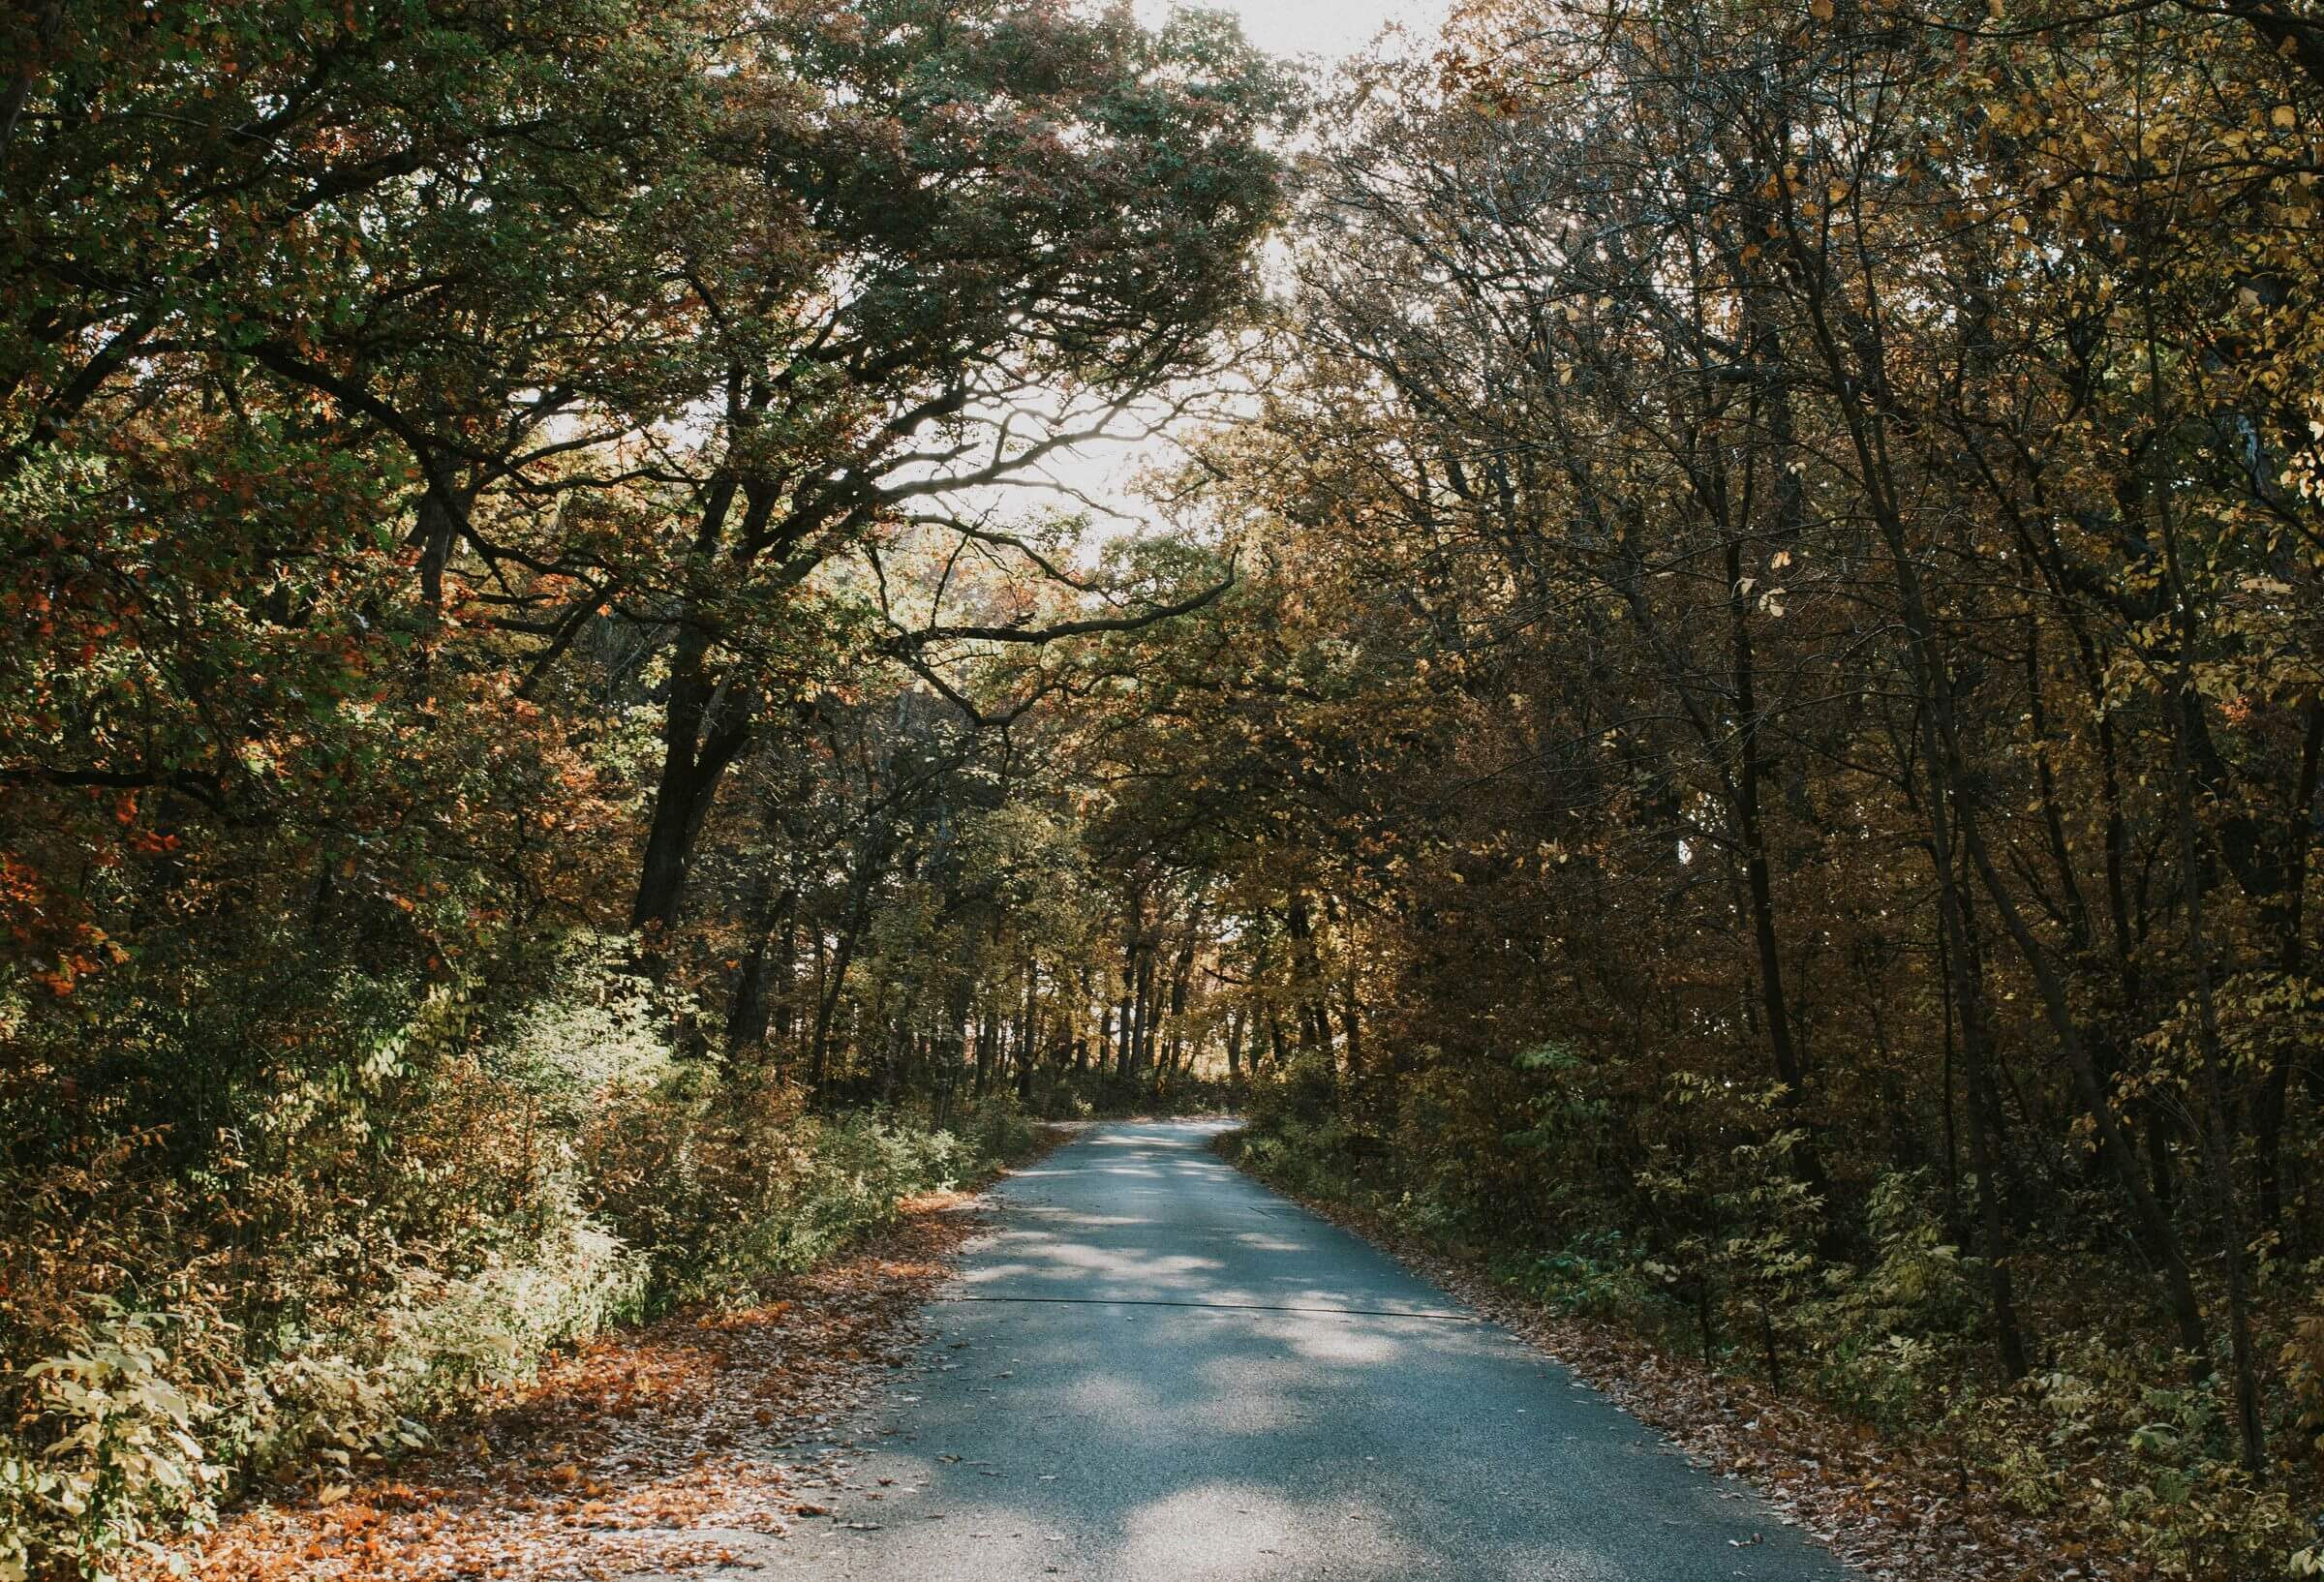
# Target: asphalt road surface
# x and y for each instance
(1155, 1370)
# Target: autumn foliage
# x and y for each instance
(1802, 526)
(480, 491)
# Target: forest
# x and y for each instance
(1712, 697)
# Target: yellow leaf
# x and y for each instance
(2285, 116)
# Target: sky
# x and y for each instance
(1329, 28)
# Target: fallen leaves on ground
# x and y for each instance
(1898, 1513)
(659, 1449)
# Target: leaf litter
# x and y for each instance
(662, 1449)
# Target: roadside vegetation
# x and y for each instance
(1871, 1414)
(500, 791)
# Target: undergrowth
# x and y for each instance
(1727, 1257)
(335, 1245)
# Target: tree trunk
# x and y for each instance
(704, 726)
(1029, 1027)
(750, 1006)
(2218, 1128)
(1759, 884)
(1146, 1012)
(2290, 960)
(818, 1047)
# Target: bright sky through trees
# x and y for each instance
(1326, 30)
(1329, 28)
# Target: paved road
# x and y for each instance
(1155, 1370)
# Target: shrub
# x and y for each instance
(1595, 1275)
(1302, 1094)
(434, 1190)
(111, 1455)
(998, 1129)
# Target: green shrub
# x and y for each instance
(1894, 1336)
(435, 1191)
(1302, 1094)
(112, 1456)
(997, 1130)
(1596, 1274)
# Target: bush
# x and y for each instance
(432, 1193)
(1893, 1337)
(719, 1187)
(998, 1131)
(1303, 1094)
(1596, 1274)
(1723, 1248)
(117, 1454)
(1086, 1095)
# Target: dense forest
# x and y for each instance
(1729, 719)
